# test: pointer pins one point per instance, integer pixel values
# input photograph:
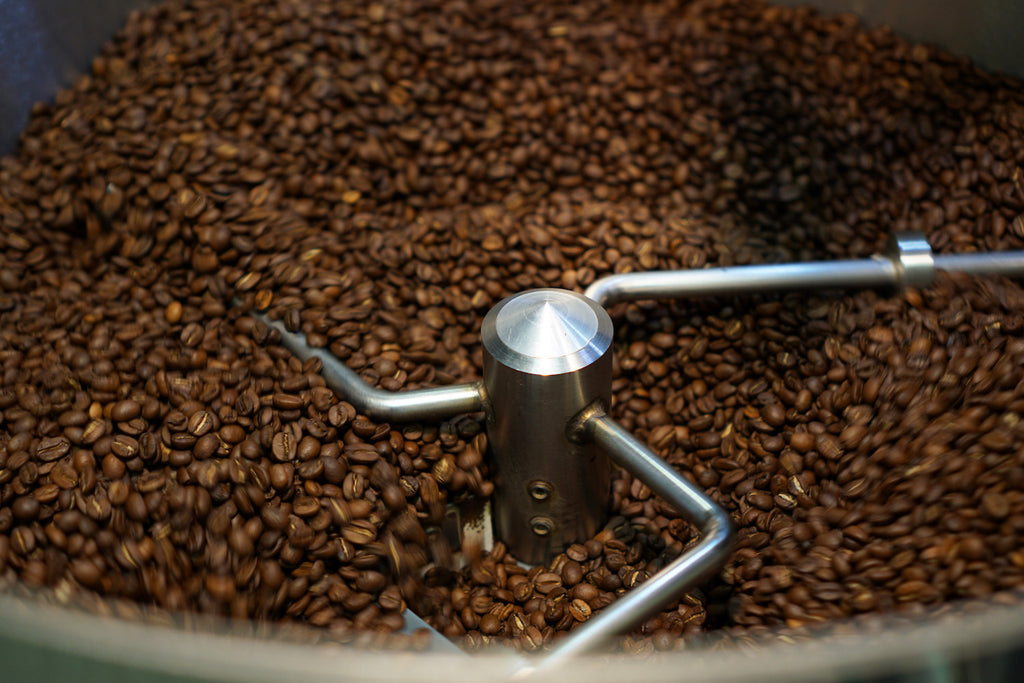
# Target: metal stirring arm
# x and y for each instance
(683, 573)
(907, 262)
(434, 403)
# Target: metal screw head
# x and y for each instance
(539, 490)
(542, 526)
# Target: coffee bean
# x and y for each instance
(124, 447)
(23, 542)
(25, 508)
(580, 610)
(773, 414)
(287, 401)
(547, 582)
(577, 553)
(200, 423)
(135, 506)
(126, 410)
(53, 448)
(308, 448)
(86, 572)
(283, 447)
(532, 639)
(995, 504)
(572, 573)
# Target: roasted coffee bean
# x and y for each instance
(547, 582)
(53, 448)
(23, 541)
(580, 610)
(25, 508)
(200, 423)
(124, 447)
(126, 410)
(283, 447)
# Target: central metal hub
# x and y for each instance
(547, 332)
(547, 356)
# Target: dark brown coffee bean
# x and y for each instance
(287, 401)
(220, 587)
(135, 506)
(532, 639)
(305, 506)
(283, 447)
(124, 447)
(308, 448)
(53, 448)
(86, 572)
(240, 542)
(23, 541)
(200, 423)
(773, 414)
(126, 410)
(25, 508)
(580, 610)
(547, 582)
(206, 446)
(995, 504)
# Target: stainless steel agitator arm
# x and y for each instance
(907, 262)
(434, 403)
(683, 573)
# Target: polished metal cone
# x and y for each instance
(547, 331)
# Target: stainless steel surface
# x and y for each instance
(44, 44)
(729, 280)
(695, 564)
(394, 406)
(908, 263)
(988, 31)
(438, 643)
(910, 251)
(43, 642)
(547, 355)
(546, 332)
(1009, 264)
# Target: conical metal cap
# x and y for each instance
(547, 331)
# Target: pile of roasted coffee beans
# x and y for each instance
(378, 175)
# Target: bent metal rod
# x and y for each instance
(547, 385)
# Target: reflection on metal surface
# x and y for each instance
(44, 641)
(694, 565)
(395, 406)
(988, 31)
(908, 262)
(547, 355)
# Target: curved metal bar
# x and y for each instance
(907, 262)
(728, 280)
(683, 573)
(392, 406)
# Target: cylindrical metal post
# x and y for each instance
(547, 355)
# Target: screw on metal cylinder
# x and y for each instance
(542, 526)
(540, 490)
